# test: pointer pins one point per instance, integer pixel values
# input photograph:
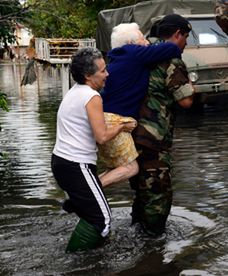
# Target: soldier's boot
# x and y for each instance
(84, 237)
(154, 225)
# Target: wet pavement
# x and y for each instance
(34, 230)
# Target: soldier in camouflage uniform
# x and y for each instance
(221, 12)
(169, 83)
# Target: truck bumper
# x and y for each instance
(211, 88)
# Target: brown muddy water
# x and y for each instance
(34, 230)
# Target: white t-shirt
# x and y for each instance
(75, 140)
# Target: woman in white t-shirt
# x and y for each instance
(80, 125)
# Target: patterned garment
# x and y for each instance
(154, 195)
(120, 150)
(168, 84)
(221, 12)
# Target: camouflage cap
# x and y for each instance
(177, 21)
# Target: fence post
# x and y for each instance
(65, 78)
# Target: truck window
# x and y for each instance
(205, 32)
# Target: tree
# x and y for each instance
(68, 18)
(11, 12)
(53, 18)
(63, 18)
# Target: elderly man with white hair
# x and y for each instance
(130, 62)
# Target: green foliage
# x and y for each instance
(3, 155)
(11, 12)
(68, 18)
(54, 18)
(62, 18)
(4, 106)
(3, 102)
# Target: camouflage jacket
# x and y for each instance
(168, 84)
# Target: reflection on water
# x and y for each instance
(27, 137)
(34, 230)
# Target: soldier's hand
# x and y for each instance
(129, 126)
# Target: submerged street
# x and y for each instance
(34, 230)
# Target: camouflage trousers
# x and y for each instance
(153, 191)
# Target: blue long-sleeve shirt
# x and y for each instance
(129, 68)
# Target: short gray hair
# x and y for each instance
(82, 64)
(123, 34)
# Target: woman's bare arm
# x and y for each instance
(101, 131)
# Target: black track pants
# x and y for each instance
(84, 189)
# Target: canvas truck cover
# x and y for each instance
(142, 13)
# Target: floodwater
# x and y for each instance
(34, 230)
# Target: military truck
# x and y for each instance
(206, 54)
